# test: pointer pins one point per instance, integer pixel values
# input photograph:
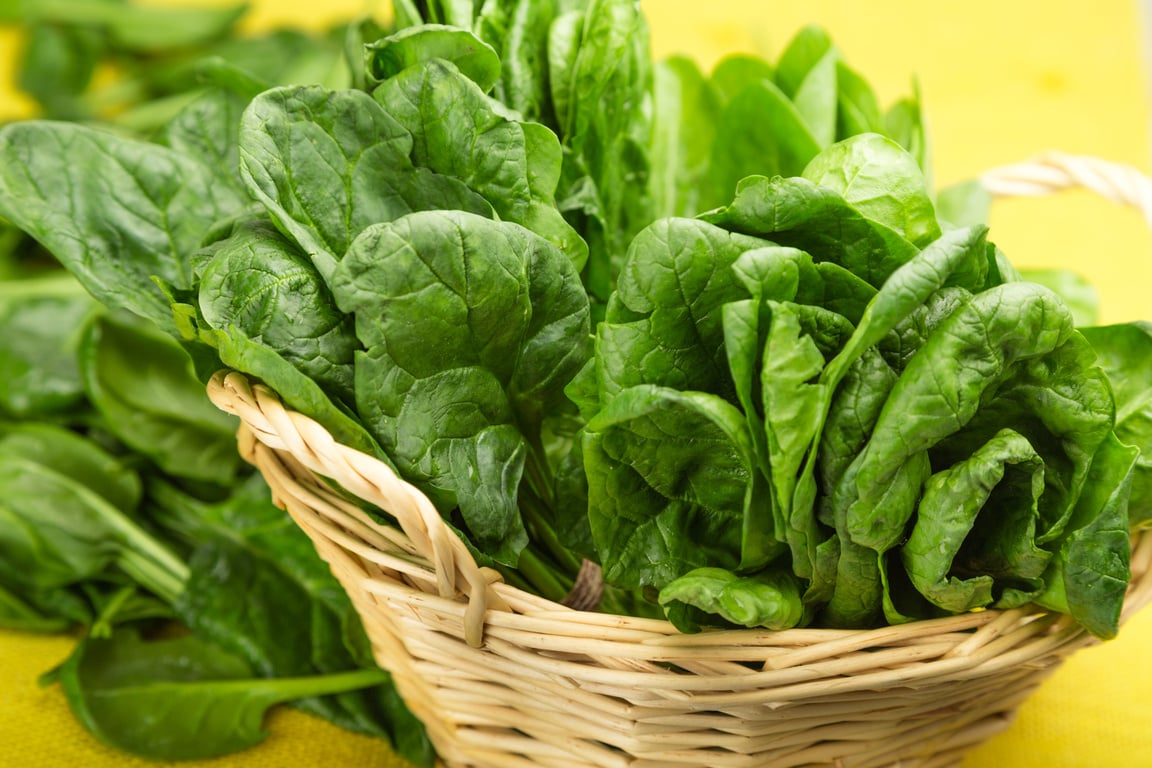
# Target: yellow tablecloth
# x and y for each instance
(1001, 82)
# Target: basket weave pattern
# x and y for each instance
(503, 678)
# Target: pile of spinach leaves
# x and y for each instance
(711, 331)
(126, 512)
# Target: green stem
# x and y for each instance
(539, 530)
(541, 576)
(165, 581)
(290, 688)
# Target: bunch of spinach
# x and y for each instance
(857, 415)
(488, 264)
(126, 512)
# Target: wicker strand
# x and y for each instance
(1056, 171)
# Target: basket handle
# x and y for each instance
(1052, 172)
(264, 417)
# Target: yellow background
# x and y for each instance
(1001, 81)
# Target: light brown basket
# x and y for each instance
(503, 678)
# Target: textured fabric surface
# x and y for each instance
(1001, 82)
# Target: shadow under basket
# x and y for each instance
(504, 678)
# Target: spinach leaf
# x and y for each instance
(143, 27)
(759, 133)
(519, 31)
(664, 326)
(511, 323)
(1125, 353)
(735, 72)
(38, 338)
(796, 212)
(474, 58)
(976, 347)
(141, 382)
(770, 599)
(670, 481)
(687, 113)
(957, 565)
(207, 129)
(243, 546)
(327, 164)
(181, 698)
(69, 515)
(115, 211)
(514, 165)
(258, 283)
(1090, 577)
(881, 181)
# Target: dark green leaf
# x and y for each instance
(770, 599)
(141, 381)
(475, 59)
(180, 699)
(115, 211)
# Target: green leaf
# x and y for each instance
(804, 52)
(770, 599)
(1091, 573)
(817, 98)
(668, 475)
(792, 399)
(475, 59)
(798, 213)
(471, 329)
(759, 133)
(687, 109)
(878, 178)
(519, 31)
(736, 72)
(207, 129)
(665, 325)
(68, 517)
(143, 27)
(180, 699)
(609, 31)
(115, 211)
(964, 203)
(298, 391)
(297, 141)
(57, 67)
(38, 338)
(461, 133)
(259, 283)
(904, 122)
(1079, 294)
(857, 108)
(940, 392)
(141, 381)
(976, 524)
(1125, 353)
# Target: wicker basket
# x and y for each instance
(504, 678)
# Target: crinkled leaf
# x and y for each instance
(1125, 353)
(327, 164)
(798, 213)
(115, 211)
(769, 599)
(881, 180)
(668, 476)
(261, 284)
(475, 59)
